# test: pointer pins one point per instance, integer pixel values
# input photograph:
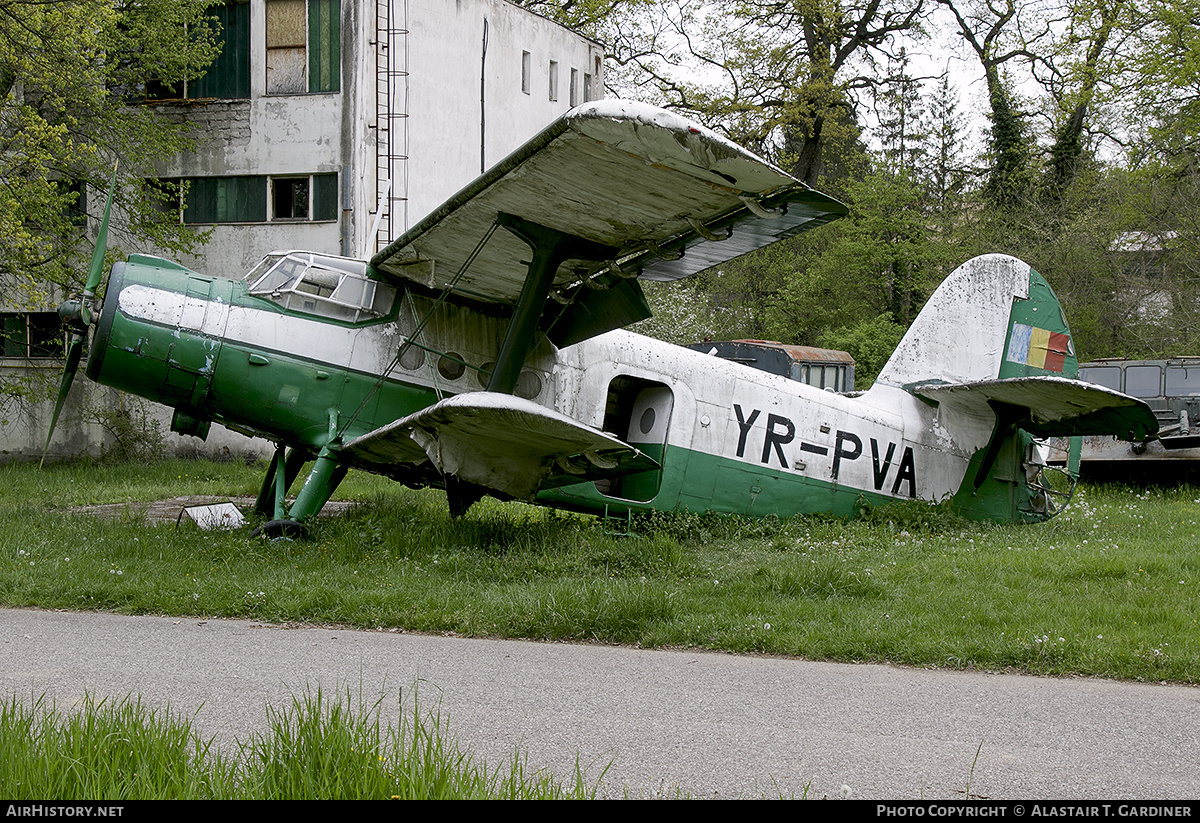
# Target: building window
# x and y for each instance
(553, 81)
(31, 335)
(74, 193)
(303, 46)
(229, 75)
(574, 90)
(526, 71)
(587, 88)
(225, 200)
(253, 198)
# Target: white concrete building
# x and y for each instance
(411, 102)
(320, 120)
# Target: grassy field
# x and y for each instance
(1108, 589)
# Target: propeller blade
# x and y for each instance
(97, 267)
(74, 354)
(78, 314)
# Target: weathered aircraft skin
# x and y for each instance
(742, 441)
(482, 352)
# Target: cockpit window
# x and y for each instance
(335, 287)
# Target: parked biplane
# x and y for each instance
(483, 352)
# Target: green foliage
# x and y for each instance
(684, 313)
(870, 343)
(881, 260)
(1165, 113)
(105, 751)
(134, 436)
(66, 71)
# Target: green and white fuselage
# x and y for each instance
(483, 351)
(317, 376)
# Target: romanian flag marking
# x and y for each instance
(1039, 348)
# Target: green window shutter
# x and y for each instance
(14, 335)
(199, 202)
(325, 197)
(245, 199)
(229, 75)
(324, 45)
(226, 200)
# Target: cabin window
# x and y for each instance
(1107, 376)
(303, 46)
(324, 285)
(823, 377)
(1183, 381)
(228, 77)
(31, 335)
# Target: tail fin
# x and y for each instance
(994, 336)
(994, 317)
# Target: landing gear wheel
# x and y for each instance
(280, 530)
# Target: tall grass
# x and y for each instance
(317, 747)
(105, 750)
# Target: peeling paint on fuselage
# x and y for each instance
(736, 439)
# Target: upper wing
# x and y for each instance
(671, 198)
(1057, 406)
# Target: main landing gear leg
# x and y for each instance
(283, 470)
(461, 495)
(319, 486)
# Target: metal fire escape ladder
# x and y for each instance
(391, 118)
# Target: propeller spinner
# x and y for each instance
(78, 315)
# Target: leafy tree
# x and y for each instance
(1167, 88)
(781, 77)
(996, 32)
(903, 127)
(870, 343)
(68, 72)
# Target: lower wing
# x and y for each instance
(501, 442)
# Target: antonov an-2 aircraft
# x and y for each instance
(482, 352)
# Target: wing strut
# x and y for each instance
(551, 248)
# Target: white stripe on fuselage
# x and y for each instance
(368, 350)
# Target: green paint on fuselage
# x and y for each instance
(699, 482)
(283, 396)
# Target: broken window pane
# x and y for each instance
(290, 198)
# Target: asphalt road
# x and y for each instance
(662, 721)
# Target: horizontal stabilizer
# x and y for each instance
(1056, 406)
(501, 442)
